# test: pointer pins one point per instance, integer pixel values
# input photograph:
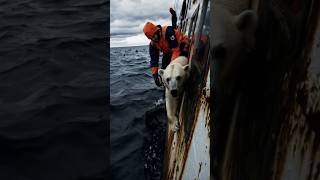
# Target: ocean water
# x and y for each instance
(137, 116)
(53, 90)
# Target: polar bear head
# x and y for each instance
(232, 36)
(175, 75)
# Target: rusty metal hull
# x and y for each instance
(297, 151)
(191, 159)
(197, 165)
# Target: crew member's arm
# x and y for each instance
(173, 18)
(154, 63)
(154, 55)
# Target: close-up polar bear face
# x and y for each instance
(174, 77)
(232, 37)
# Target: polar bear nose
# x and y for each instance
(174, 93)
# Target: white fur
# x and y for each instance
(233, 29)
(174, 77)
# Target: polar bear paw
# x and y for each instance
(176, 127)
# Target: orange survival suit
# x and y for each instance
(170, 41)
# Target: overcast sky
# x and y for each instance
(127, 18)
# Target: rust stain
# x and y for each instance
(198, 105)
(200, 165)
(301, 122)
(167, 154)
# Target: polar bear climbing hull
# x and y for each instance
(187, 152)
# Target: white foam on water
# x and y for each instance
(159, 102)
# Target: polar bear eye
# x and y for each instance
(178, 78)
(219, 52)
(168, 79)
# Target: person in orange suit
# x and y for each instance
(167, 39)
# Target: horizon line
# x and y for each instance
(128, 46)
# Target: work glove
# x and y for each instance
(156, 79)
(173, 12)
(173, 18)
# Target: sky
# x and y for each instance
(127, 18)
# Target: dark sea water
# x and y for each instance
(53, 90)
(137, 116)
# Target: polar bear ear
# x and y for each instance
(186, 67)
(247, 21)
(161, 71)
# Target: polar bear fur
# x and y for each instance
(232, 35)
(174, 77)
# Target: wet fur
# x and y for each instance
(178, 67)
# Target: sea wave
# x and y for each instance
(137, 116)
(53, 95)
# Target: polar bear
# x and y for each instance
(232, 37)
(174, 77)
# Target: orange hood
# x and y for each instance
(149, 29)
